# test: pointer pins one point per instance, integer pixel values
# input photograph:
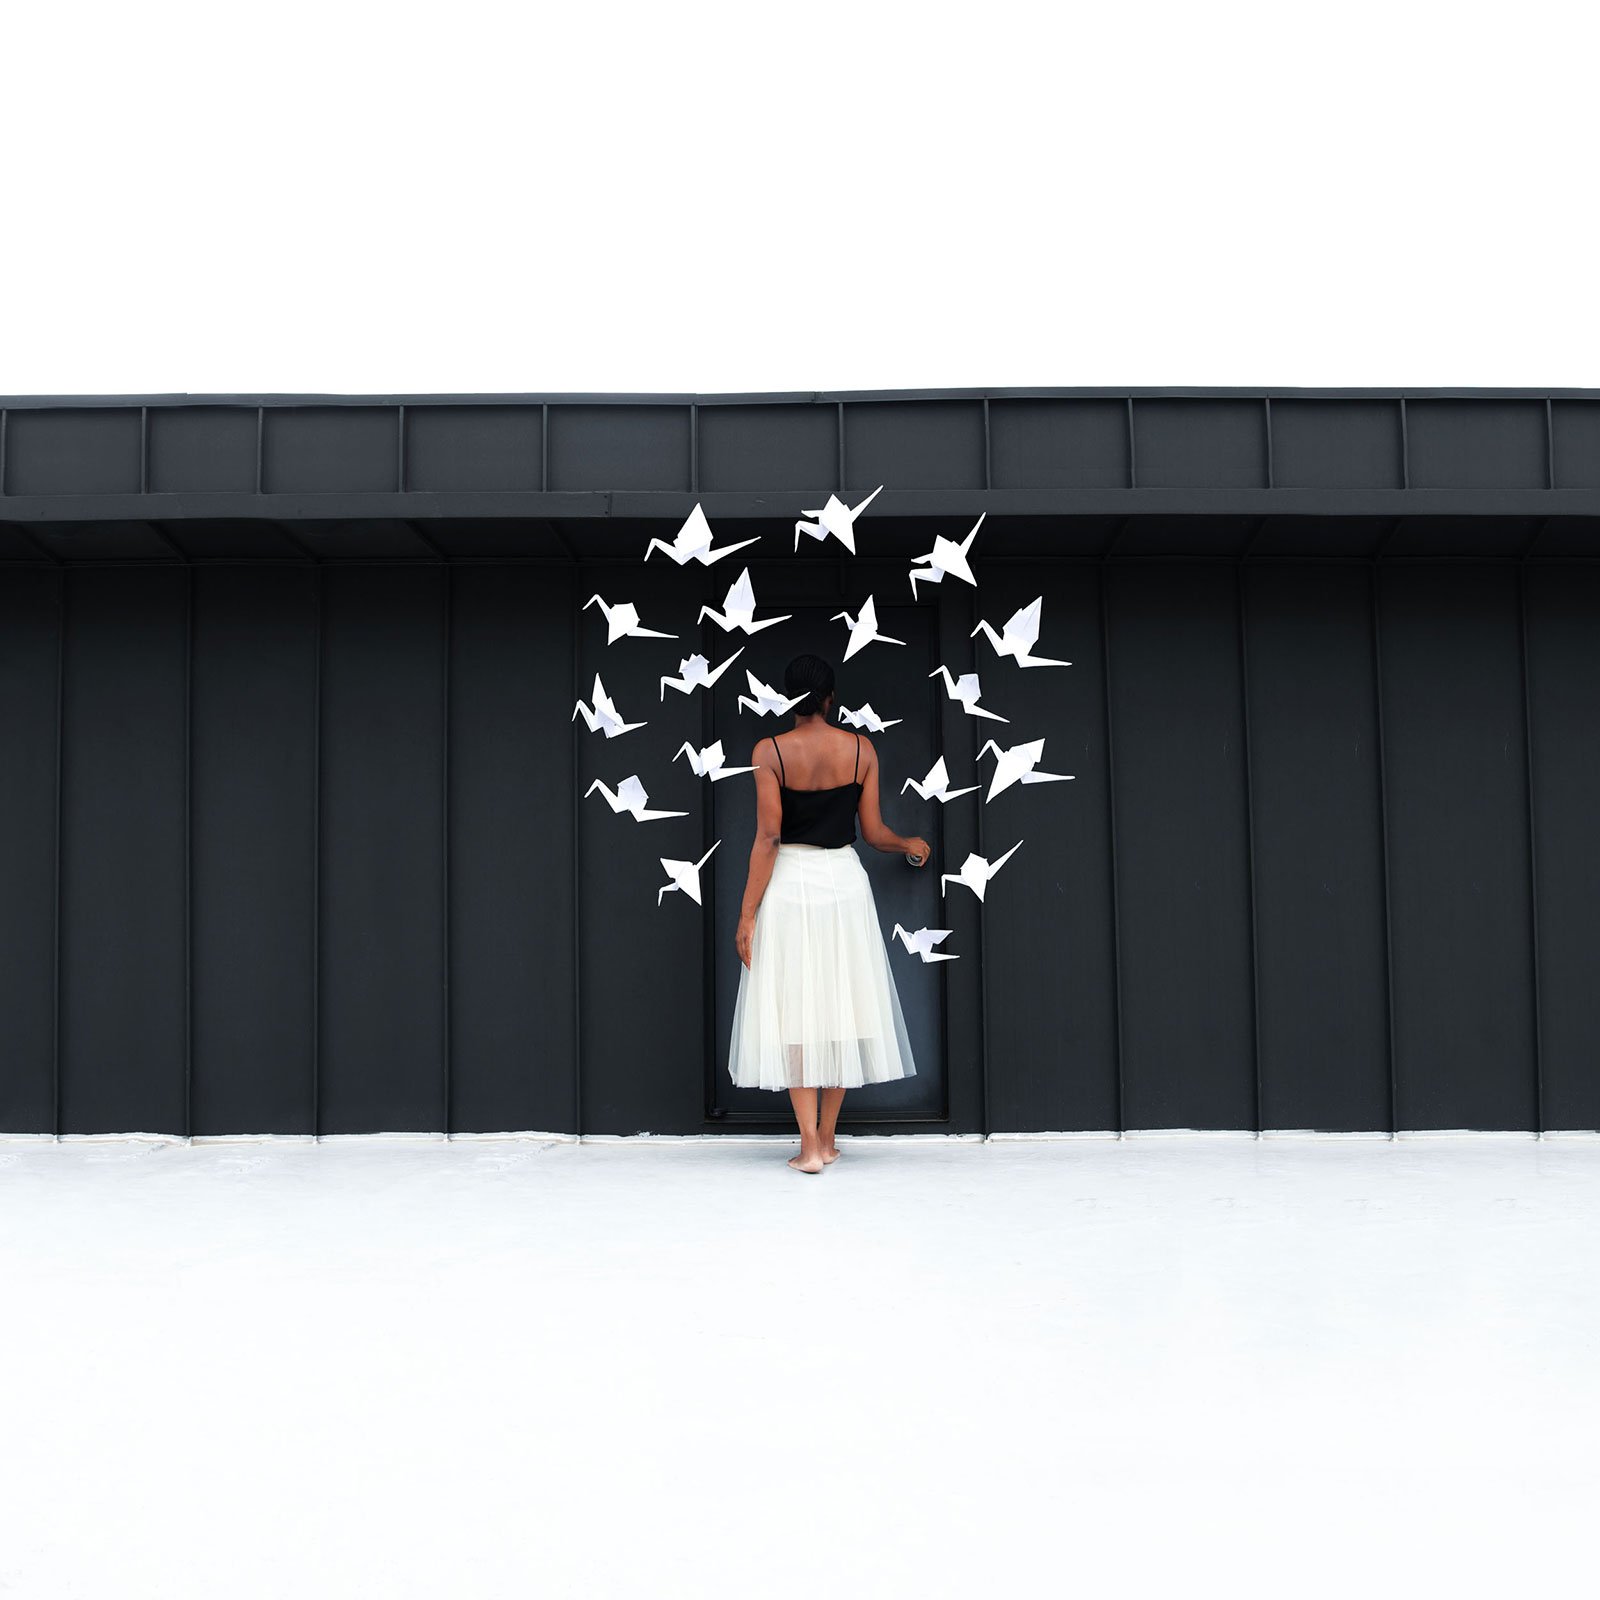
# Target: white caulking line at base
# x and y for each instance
(536, 1137)
(1066, 1133)
(120, 1138)
(769, 1138)
(1326, 1133)
(1190, 1133)
(1466, 1133)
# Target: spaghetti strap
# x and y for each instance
(857, 772)
(783, 778)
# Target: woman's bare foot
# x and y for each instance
(830, 1154)
(805, 1163)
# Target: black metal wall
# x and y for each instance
(299, 848)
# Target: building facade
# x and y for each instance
(293, 828)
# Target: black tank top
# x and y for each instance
(825, 817)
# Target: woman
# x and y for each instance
(817, 1010)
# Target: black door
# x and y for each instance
(894, 680)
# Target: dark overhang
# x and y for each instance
(1077, 473)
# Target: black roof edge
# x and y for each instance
(798, 397)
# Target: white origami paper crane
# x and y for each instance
(707, 763)
(624, 619)
(936, 786)
(947, 557)
(1016, 766)
(685, 875)
(863, 628)
(696, 673)
(1020, 635)
(836, 518)
(629, 796)
(604, 714)
(976, 871)
(766, 698)
(921, 942)
(867, 718)
(966, 690)
(693, 542)
(738, 608)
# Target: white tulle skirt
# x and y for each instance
(817, 1006)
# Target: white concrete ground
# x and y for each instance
(1152, 1366)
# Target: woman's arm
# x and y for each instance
(874, 829)
(769, 828)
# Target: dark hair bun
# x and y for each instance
(812, 677)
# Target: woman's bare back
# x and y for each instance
(820, 757)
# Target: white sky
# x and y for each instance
(392, 198)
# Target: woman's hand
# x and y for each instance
(745, 937)
(919, 852)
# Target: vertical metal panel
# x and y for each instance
(1103, 584)
(511, 808)
(1320, 956)
(446, 629)
(122, 903)
(1563, 668)
(642, 1001)
(576, 835)
(319, 597)
(188, 851)
(1184, 905)
(254, 810)
(984, 957)
(960, 831)
(1533, 858)
(55, 962)
(1249, 836)
(382, 939)
(1375, 584)
(1048, 951)
(30, 647)
(1458, 868)
(983, 949)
